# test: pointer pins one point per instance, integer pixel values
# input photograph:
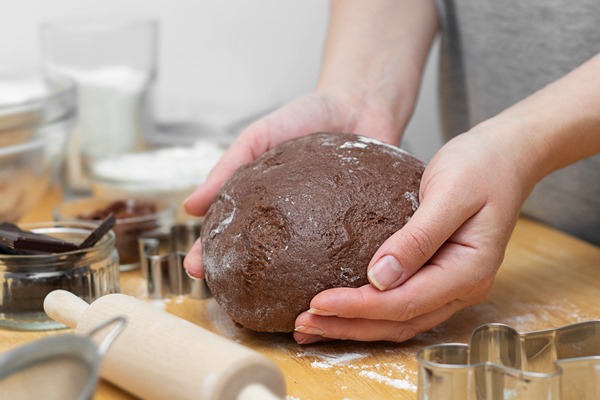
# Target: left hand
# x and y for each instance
(444, 259)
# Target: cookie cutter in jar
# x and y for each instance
(500, 363)
(61, 367)
(161, 261)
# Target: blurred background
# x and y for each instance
(157, 101)
(245, 56)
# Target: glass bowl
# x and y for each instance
(25, 280)
(134, 217)
(36, 118)
(171, 173)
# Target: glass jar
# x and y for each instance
(25, 280)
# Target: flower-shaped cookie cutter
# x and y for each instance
(501, 363)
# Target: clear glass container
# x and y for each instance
(113, 61)
(25, 280)
(36, 119)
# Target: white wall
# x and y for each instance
(259, 52)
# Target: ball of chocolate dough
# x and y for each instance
(304, 217)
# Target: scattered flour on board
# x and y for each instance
(397, 383)
(332, 359)
(388, 373)
(320, 364)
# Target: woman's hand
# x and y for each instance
(444, 259)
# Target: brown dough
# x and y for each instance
(304, 217)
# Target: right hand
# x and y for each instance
(316, 112)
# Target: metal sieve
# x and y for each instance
(61, 367)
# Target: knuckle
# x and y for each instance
(407, 311)
(404, 333)
(418, 244)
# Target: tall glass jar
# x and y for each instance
(25, 280)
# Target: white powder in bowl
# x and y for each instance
(163, 169)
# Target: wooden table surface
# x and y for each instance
(547, 280)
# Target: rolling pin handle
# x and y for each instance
(64, 307)
(257, 391)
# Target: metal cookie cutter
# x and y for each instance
(501, 363)
(65, 366)
(161, 262)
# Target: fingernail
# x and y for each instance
(323, 313)
(311, 339)
(311, 330)
(385, 272)
(192, 277)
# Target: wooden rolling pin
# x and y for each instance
(161, 356)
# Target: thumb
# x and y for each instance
(407, 250)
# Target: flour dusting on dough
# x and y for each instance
(369, 140)
(228, 218)
(414, 200)
(351, 145)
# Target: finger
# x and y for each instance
(446, 278)
(193, 261)
(401, 255)
(370, 330)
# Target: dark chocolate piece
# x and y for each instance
(134, 217)
(99, 232)
(121, 209)
(14, 238)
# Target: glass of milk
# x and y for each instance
(113, 61)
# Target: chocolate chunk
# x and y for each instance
(121, 209)
(15, 241)
(11, 237)
(134, 217)
(99, 232)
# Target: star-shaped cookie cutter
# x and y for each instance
(502, 363)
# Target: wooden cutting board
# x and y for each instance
(547, 280)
